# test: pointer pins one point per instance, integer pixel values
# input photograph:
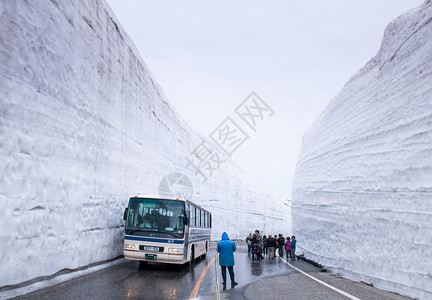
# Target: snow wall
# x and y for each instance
(83, 127)
(362, 190)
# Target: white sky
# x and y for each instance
(208, 56)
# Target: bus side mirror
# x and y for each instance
(185, 220)
(125, 213)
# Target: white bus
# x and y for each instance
(166, 230)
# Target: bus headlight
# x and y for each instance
(129, 246)
(175, 250)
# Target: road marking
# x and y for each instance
(200, 279)
(322, 282)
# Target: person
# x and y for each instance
(145, 221)
(248, 242)
(276, 245)
(288, 248)
(271, 243)
(260, 241)
(226, 249)
(293, 245)
(265, 250)
(256, 248)
(281, 243)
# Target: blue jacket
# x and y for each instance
(226, 249)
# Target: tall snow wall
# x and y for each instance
(84, 126)
(362, 190)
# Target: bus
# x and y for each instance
(166, 230)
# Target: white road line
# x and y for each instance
(322, 282)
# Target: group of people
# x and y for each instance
(259, 246)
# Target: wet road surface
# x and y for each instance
(268, 279)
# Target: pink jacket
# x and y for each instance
(288, 245)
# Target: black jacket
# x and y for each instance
(281, 240)
(271, 242)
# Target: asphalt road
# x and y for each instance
(266, 279)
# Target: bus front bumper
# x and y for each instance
(149, 256)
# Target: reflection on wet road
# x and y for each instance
(246, 271)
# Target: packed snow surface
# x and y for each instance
(362, 191)
(83, 127)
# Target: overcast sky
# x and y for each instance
(208, 56)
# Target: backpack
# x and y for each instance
(255, 248)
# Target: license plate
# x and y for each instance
(150, 256)
(150, 248)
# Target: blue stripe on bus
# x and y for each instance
(200, 231)
(198, 240)
(201, 236)
(135, 238)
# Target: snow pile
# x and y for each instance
(84, 126)
(363, 185)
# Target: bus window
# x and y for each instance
(188, 212)
(205, 219)
(192, 216)
(198, 217)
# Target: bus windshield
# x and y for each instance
(155, 217)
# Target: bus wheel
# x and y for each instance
(205, 251)
(192, 258)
